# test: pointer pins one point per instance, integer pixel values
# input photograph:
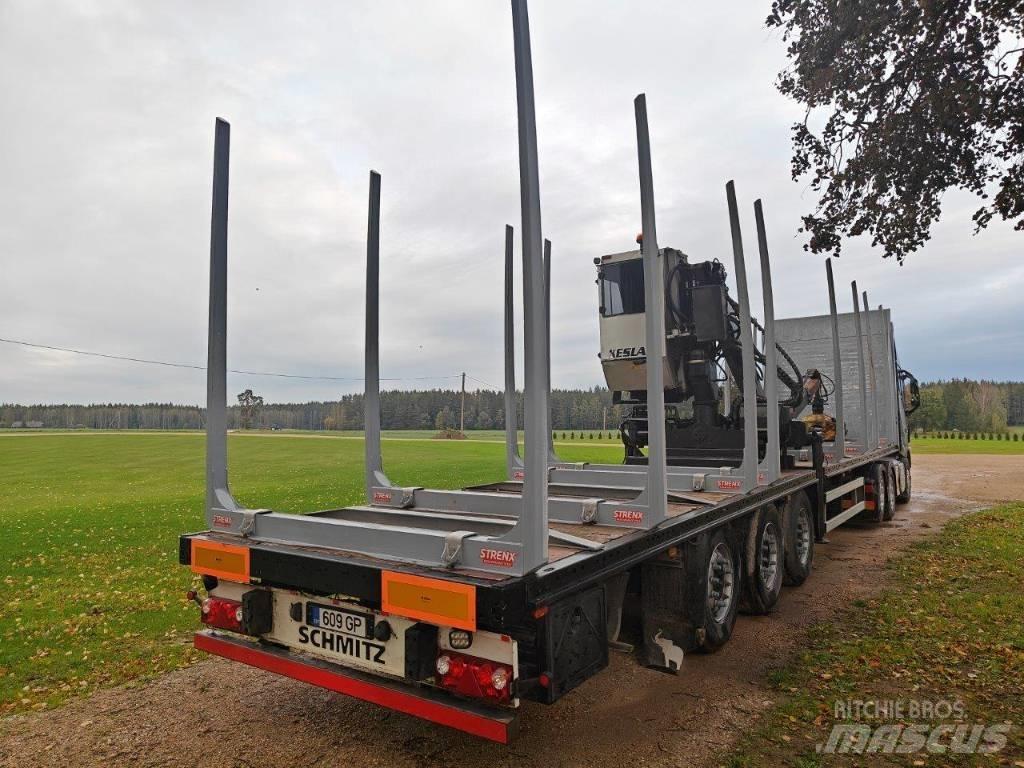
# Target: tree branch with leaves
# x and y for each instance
(904, 100)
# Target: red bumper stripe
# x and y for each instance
(497, 727)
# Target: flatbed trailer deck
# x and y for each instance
(504, 600)
(457, 605)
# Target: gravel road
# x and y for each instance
(221, 714)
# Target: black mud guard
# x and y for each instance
(672, 603)
(573, 641)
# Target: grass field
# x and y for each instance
(950, 628)
(90, 590)
(91, 593)
(941, 445)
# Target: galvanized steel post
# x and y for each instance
(839, 444)
(513, 462)
(218, 497)
(772, 459)
(654, 307)
(371, 397)
(532, 527)
(552, 456)
(749, 383)
(876, 437)
(862, 370)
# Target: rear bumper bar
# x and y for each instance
(491, 724)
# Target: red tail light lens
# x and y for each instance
(222, 614)
(473, 677)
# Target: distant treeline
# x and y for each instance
(418, 409)
(969, 406)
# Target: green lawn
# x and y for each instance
(950, 628)
(948, 445)
(90, 590)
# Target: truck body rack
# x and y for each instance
(535, 567)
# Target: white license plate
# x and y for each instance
(341, 632)
(339, 620)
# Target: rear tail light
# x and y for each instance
(222, 614)
(473, 677)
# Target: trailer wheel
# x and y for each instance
(879, 489)
(904, 496)
(890, 494)
(800, 538)
(722, 593)
(765, 560)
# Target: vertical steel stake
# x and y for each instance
(371, 398)
(218, 497)
(654, 341)
(839, 444)
(772, 459)
(749, 383)
(876, 437)
(532, 528)
(513, 462)
(552, 456)
(862, 371)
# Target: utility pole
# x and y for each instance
(462, 409)
(604, 419)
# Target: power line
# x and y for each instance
(189, 366)
(486, 384)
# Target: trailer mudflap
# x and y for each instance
(574, 642)
(498, 725)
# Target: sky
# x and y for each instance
(107, 149)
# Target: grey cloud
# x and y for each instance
(107, 148)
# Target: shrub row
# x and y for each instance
(580, 435)
(1008, 436)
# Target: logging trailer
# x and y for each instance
(457, 605)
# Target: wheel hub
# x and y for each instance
(803, 535)
(721, 583)
(769, 556)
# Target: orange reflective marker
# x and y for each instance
(439, 602)
(225, 561)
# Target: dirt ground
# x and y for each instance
(223, 714)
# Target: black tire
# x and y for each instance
(879, 488)
(764, 561)
(721, 593)
(799, 520)
(904, 496)
(890, 494)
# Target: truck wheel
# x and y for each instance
(765, 560)
(722, 593)
(890, 494)
(879, 486)
(904, 496)
(800, 538)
